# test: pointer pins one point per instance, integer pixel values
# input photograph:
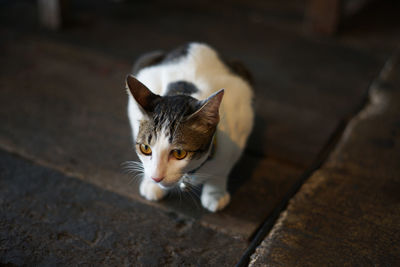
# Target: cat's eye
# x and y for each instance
(179, 153)
(145, 149)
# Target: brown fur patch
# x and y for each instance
(146, 129)
(195, 137)
(173, 116)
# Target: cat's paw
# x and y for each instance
(215, 201)
(151, 191)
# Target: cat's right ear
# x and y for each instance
(143, 96)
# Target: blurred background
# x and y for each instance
(64, 131)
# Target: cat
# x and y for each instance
(186, 128)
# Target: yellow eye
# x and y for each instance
(179, 154)
(145, 149)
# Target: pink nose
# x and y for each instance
(157, 180)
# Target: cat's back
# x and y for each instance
(196, 69)
(196, 64)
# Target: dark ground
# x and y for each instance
(327, 117)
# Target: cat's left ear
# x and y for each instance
(209, 109)
(143, 96)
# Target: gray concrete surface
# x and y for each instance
(348, 212)
(62, 112)
(50, 219)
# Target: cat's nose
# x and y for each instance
(157, 179)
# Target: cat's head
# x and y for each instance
(175, 133)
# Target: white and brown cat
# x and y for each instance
(186, 128)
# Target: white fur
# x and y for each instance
(203, 68)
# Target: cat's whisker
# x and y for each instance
(132, 180)
(194, 198)
(127, 169)
(132, 163)
(194, 189)
(132, 166)
(134, 170)
(131, 170)
(179, 193)
(136, 178)
(188, 194)
(191, 191)
(182, 119)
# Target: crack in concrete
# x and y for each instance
(373, 102)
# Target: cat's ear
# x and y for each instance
(209, 109)
(143, 96)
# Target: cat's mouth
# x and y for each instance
(171, 183)
(168, 186)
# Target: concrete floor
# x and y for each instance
(64, 127)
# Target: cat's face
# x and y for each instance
(175, 132)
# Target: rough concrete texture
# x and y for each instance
(299, 95)
(66, 108)
(68, 105)
(49, 219)
(63, 106)
(348, 212)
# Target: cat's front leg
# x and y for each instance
(214, 196)
(151, 191)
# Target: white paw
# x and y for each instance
(151, 191)
(215, 201)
